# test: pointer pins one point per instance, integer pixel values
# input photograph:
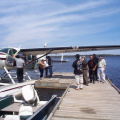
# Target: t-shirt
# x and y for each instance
(19, 62)
(91, 64)
(84, 65)
(49, 61)
(95, 59)
(101, 63)
(46, 64)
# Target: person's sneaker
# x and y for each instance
(81, 88)
(76, 88)
(103, 81)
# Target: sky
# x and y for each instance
(32, 23)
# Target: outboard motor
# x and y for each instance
(29, 95)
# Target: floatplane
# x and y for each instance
(33, 56)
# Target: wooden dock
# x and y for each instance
(99, 101)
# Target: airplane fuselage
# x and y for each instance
(7, 59)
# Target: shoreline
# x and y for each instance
(108, 55)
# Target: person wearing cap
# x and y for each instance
(77, 65)
(20, 63)
(85, 69)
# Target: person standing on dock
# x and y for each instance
(101, 69)
(85, 70)
(91, 67)
(96, 60)
(50, 65)
(20, 65)
(46, 67)
(77, 65)
(41, 67)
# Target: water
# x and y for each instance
(112, 68)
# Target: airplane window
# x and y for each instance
(14, 51)
(4, 50)
(10, 52)
(29, 57)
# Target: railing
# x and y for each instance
(57, 106)
(42, 112)
(110, 81)
(114, 86)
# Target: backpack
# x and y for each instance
(79, 65)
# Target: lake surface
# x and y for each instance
(112, 68)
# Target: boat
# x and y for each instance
(23, 106)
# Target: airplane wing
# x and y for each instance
(55, 50)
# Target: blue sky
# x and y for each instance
(31, 23)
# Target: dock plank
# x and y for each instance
(99, 101)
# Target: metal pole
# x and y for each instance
(37, 72)
(28, 76)
(9, 75)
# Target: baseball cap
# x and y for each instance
(20, 55)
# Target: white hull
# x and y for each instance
(13, 88)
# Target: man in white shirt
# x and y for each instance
(20, 63)
(101, 69)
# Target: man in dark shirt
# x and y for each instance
(50, 65)
(96, 60)
(92, 66)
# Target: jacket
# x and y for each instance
(76, 70)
